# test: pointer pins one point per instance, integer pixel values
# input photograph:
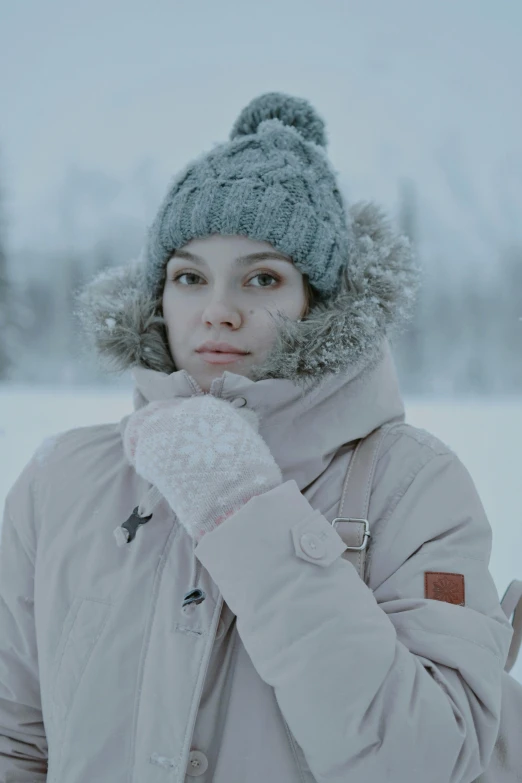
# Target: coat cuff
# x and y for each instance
(271, 535)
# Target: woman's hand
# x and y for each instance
(205, 457)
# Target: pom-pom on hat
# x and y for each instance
(293, 112)
(271, 181)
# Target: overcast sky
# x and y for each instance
(133, 89)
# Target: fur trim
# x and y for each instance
(375, 300)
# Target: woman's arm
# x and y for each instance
(382, 684)
(23, 743)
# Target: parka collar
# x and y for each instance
(303, 430)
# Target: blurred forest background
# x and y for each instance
(420, 104)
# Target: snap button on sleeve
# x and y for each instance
(316, 541)
(197, 763)
(312, 545)
(239, 402)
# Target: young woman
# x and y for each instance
(174, 600)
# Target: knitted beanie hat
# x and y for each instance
(272, 181)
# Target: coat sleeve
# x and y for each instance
(378, 684)
(23, 744)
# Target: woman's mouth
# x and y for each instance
(218, 357)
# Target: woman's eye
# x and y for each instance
(184, 274)
(265, 274)
(260, 274)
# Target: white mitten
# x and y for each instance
(205, 457)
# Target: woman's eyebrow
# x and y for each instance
(251, 258)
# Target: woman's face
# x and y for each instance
(216, 289)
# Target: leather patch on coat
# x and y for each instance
(444, 587)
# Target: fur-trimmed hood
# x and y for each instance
(375, 301)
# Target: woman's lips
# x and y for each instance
(216, 357)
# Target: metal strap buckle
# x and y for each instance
(367, 533)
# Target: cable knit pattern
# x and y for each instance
(205, 457)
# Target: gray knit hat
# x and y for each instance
(272, 181)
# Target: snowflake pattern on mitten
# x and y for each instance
(205, 456)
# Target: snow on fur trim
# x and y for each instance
(120, 319)
(375, 300)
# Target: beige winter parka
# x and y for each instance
(291, 668)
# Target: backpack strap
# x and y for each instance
(512, 605)
(355, 499)
(355, 532)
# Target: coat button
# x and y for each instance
(312, 545)
(197, 763)
(239, 402)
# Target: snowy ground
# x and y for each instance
(486, 435)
